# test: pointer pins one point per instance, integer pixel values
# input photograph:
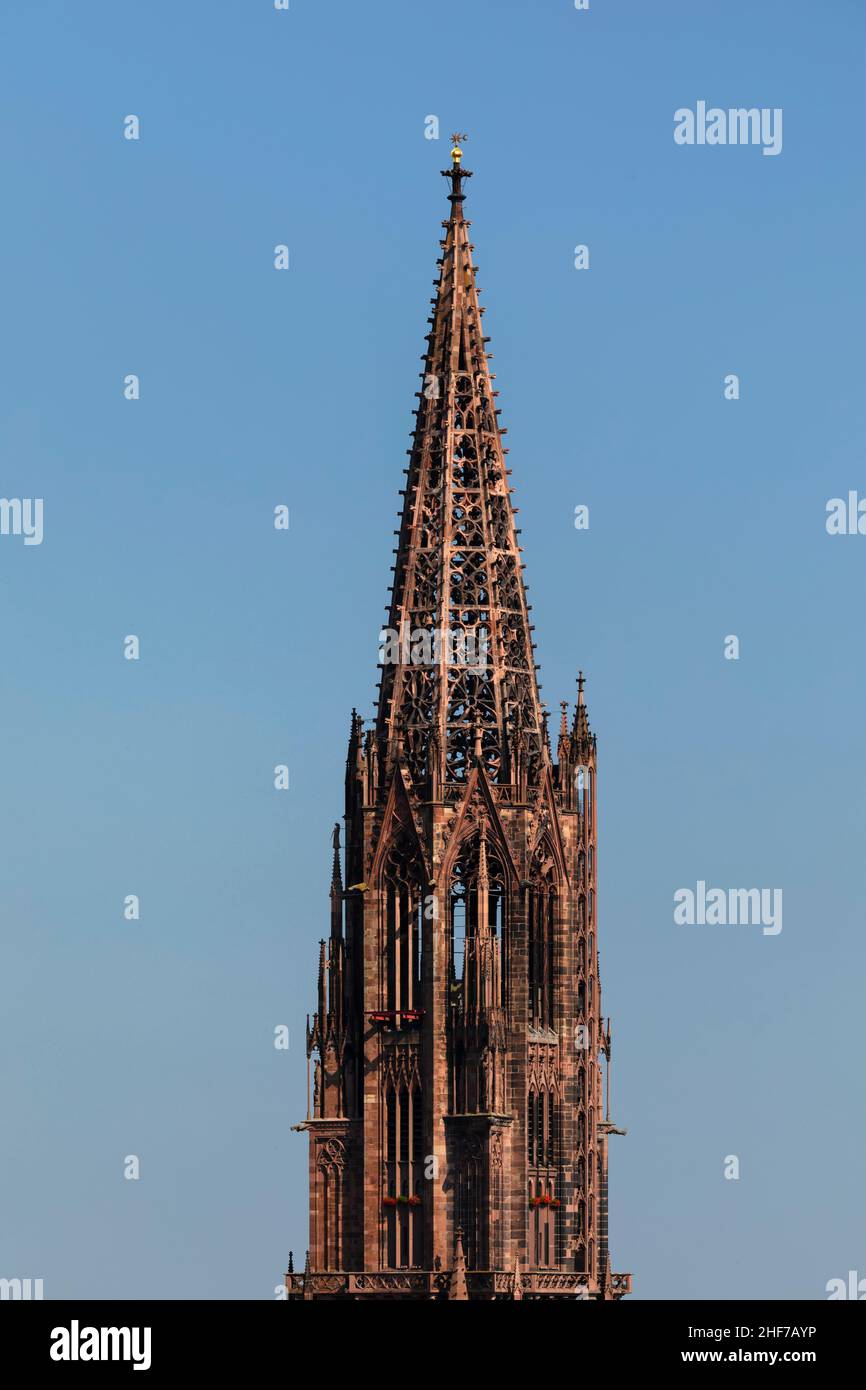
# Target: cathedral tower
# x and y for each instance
(457, 1126)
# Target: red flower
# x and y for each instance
(389, 1201)
(415, 1200)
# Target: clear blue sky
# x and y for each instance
(706, 518)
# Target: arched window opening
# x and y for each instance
(458, 931)
(404, 929)
(542, 1224)
(476, 935)
(536, 1226)
(550, 1154)
(581, 789)
(404, 1177)
(538, 1127)
(541, 919)
(530, 1130)
(548, 1223)
(471, 1204)
(542, 1122)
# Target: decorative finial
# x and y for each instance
(580, 685)
(457, 173)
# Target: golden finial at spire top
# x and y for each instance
(457, 153)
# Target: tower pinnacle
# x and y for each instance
(457, 173)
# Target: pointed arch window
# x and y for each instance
(542, 1223)
(581, 790)
(404, 1178)
(472, 1202)
(477, 927)
(542, 906)
(404, 922)
(541, 1127)
(330, 1163)
(542, 1122)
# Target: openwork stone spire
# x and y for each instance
(458, 570)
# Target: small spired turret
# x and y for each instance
(457, 1286)
(327, 1034)
(457, 1048)
(583, 740)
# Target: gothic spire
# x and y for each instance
(582, 737)
(457, 1286)
(460, 655)
(336, 889)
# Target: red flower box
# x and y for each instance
(389, 1201)
(415, 1200)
